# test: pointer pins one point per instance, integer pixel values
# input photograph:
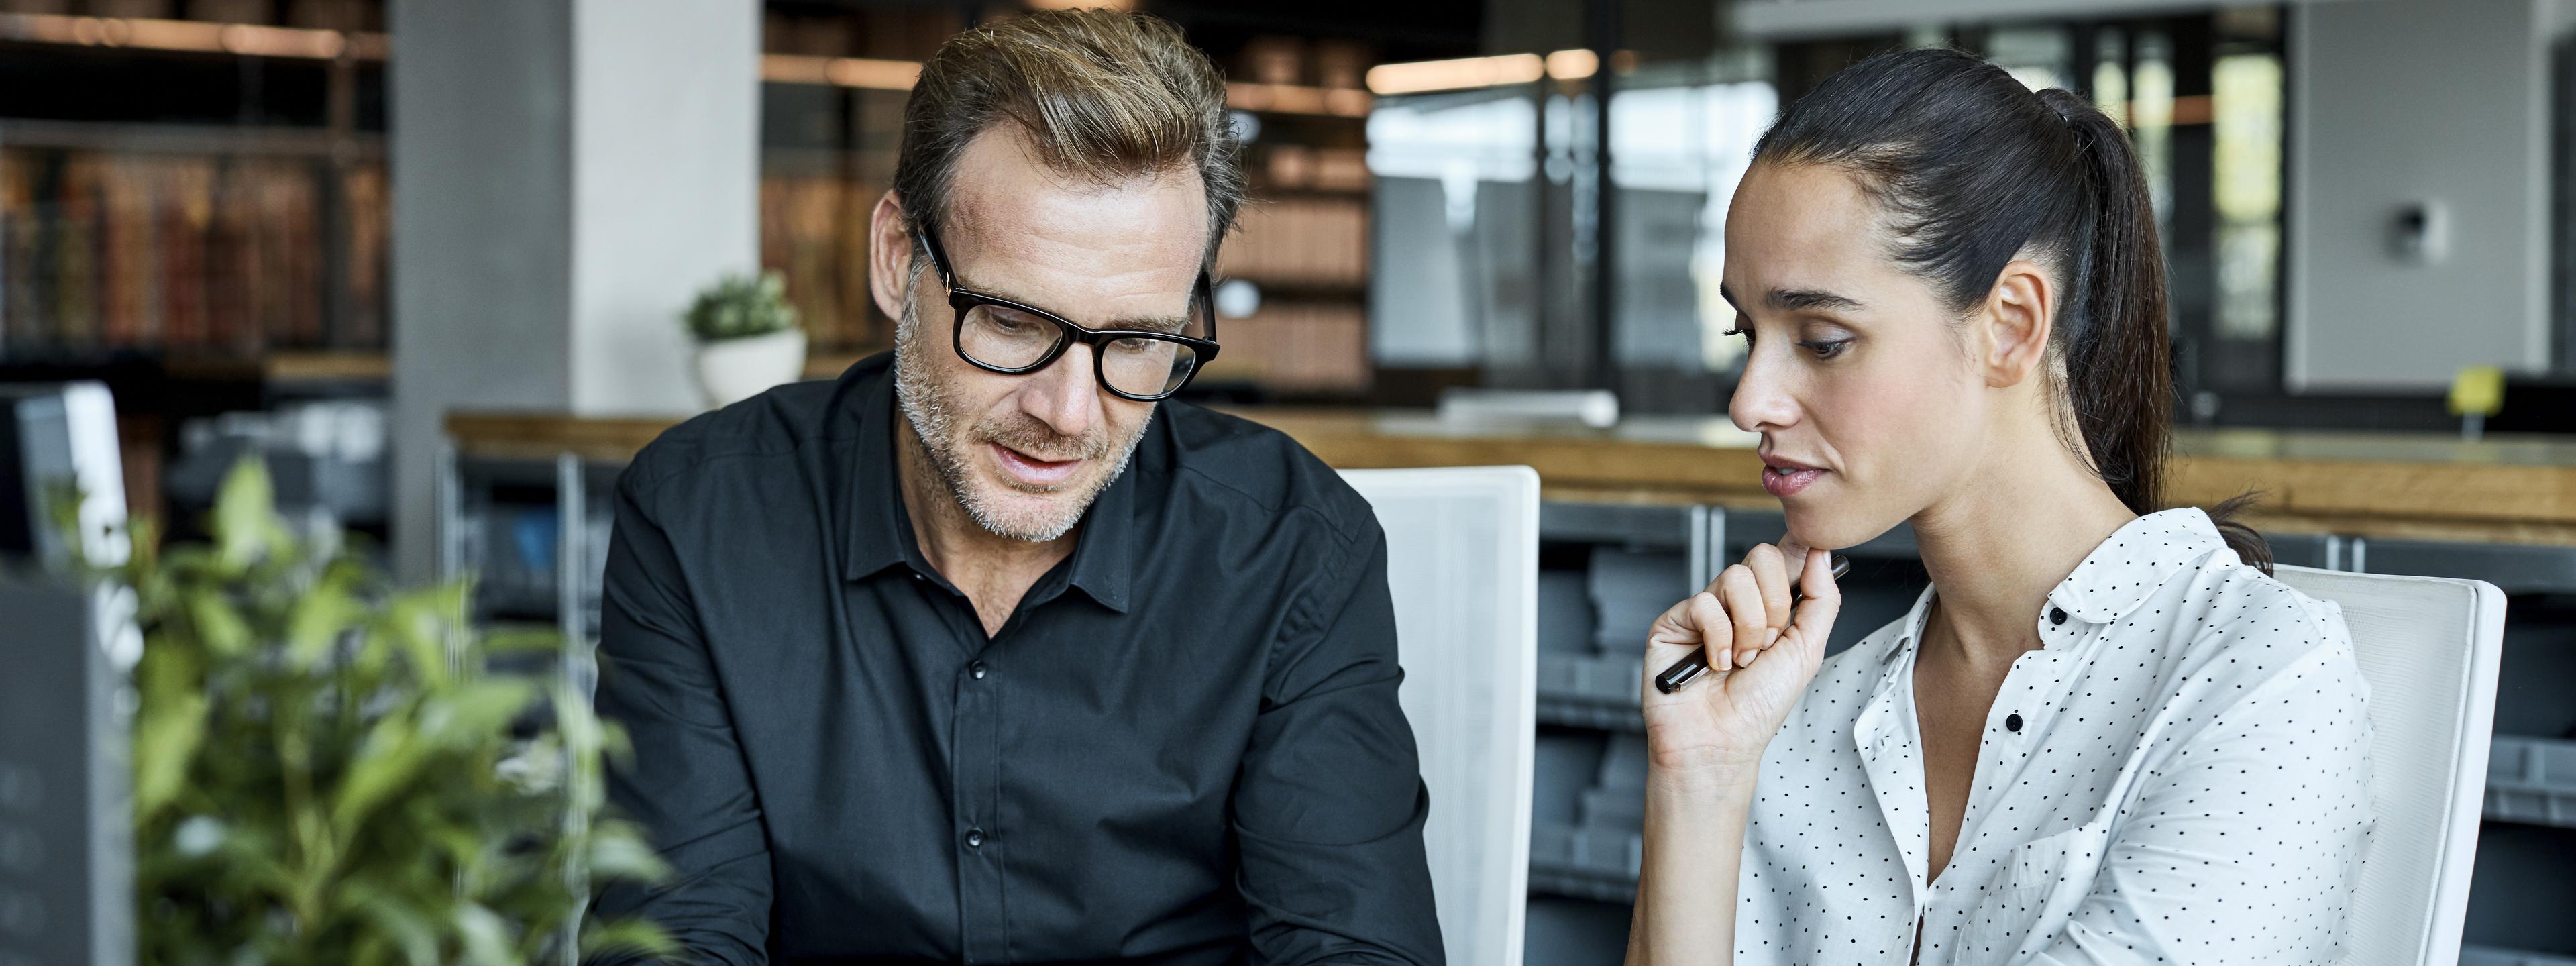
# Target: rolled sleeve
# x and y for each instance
(2245, 848)
(687, 784)
(1330, 805)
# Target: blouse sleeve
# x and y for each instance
(2243, 846)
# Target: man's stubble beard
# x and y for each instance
(935, 426)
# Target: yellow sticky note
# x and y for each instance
(2479, 390)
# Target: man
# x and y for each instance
(983, 653)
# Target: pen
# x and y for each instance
(1690, 668)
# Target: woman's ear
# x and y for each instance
(2013, 325)
(889, 256)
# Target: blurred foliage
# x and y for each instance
(325, 771)
(741, 306)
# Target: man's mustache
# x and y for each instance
(1027, 435)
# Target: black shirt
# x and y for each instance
(1183, 748)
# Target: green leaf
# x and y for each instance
(626, 936)
(245, 511)
(405, 927)
(622, 855)
(472, 714)
(219, 626)
(486, 936)
(321, 616)
(389, 759)
(168, 728)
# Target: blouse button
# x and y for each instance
(2012, 723)
(2057, 615)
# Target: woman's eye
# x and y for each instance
(1827, 349)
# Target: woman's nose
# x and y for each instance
(1762, 402)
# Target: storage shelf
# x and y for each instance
(2491, 956)
(192, 139)
(1585, 863)
(2532, 781)
(1590, 691)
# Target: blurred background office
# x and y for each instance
(430, 258)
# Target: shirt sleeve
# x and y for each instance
(2245, 847)
(1329, 806)
(687, 784)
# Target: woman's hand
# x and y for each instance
(1760, 658)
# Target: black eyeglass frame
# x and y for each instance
(963, 300)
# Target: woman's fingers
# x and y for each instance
(1697, 622)
(1748, 616)
(1814, 620)
(1771, 572)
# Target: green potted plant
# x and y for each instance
(326, 771)
(748, 338)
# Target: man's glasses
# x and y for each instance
(1000, 335)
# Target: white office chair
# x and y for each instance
(2428, 648)
(1462, 561)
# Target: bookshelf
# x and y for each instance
(143, 211)
(196, 181)
(833, 96)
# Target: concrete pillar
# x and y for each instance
(566, 174)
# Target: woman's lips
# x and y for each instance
(1033, 472)
(1784, 479)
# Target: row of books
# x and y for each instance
(1300, 241)
(225, 255)
(323, 14)
(1319, 347)
(1297, 167)
(813, 231)
(231, 255)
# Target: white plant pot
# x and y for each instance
(732, 370)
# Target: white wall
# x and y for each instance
(566, 173)
(2399, 101)
(666, 188)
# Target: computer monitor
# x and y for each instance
(59, 439)
(66, 645)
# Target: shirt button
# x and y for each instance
(2012, 723)
(2057, 615)
(974, 838)
(976, 669)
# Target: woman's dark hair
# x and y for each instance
(1974, 170)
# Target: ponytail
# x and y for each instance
(1975, 171)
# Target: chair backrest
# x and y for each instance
(1462, 562)
(2428, 648)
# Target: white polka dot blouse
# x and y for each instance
(2179, 775)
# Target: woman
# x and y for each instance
(2104, 735)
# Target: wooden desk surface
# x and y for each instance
(2504, 489)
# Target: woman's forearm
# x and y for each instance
(1694, 842)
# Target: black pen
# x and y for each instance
(1689, 669)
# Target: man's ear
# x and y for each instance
(889, 256)
(2013, 326)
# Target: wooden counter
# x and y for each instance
(2501, 490)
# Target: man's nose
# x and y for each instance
(1066, 394)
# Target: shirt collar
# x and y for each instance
(879, 532)
(2138, 558)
